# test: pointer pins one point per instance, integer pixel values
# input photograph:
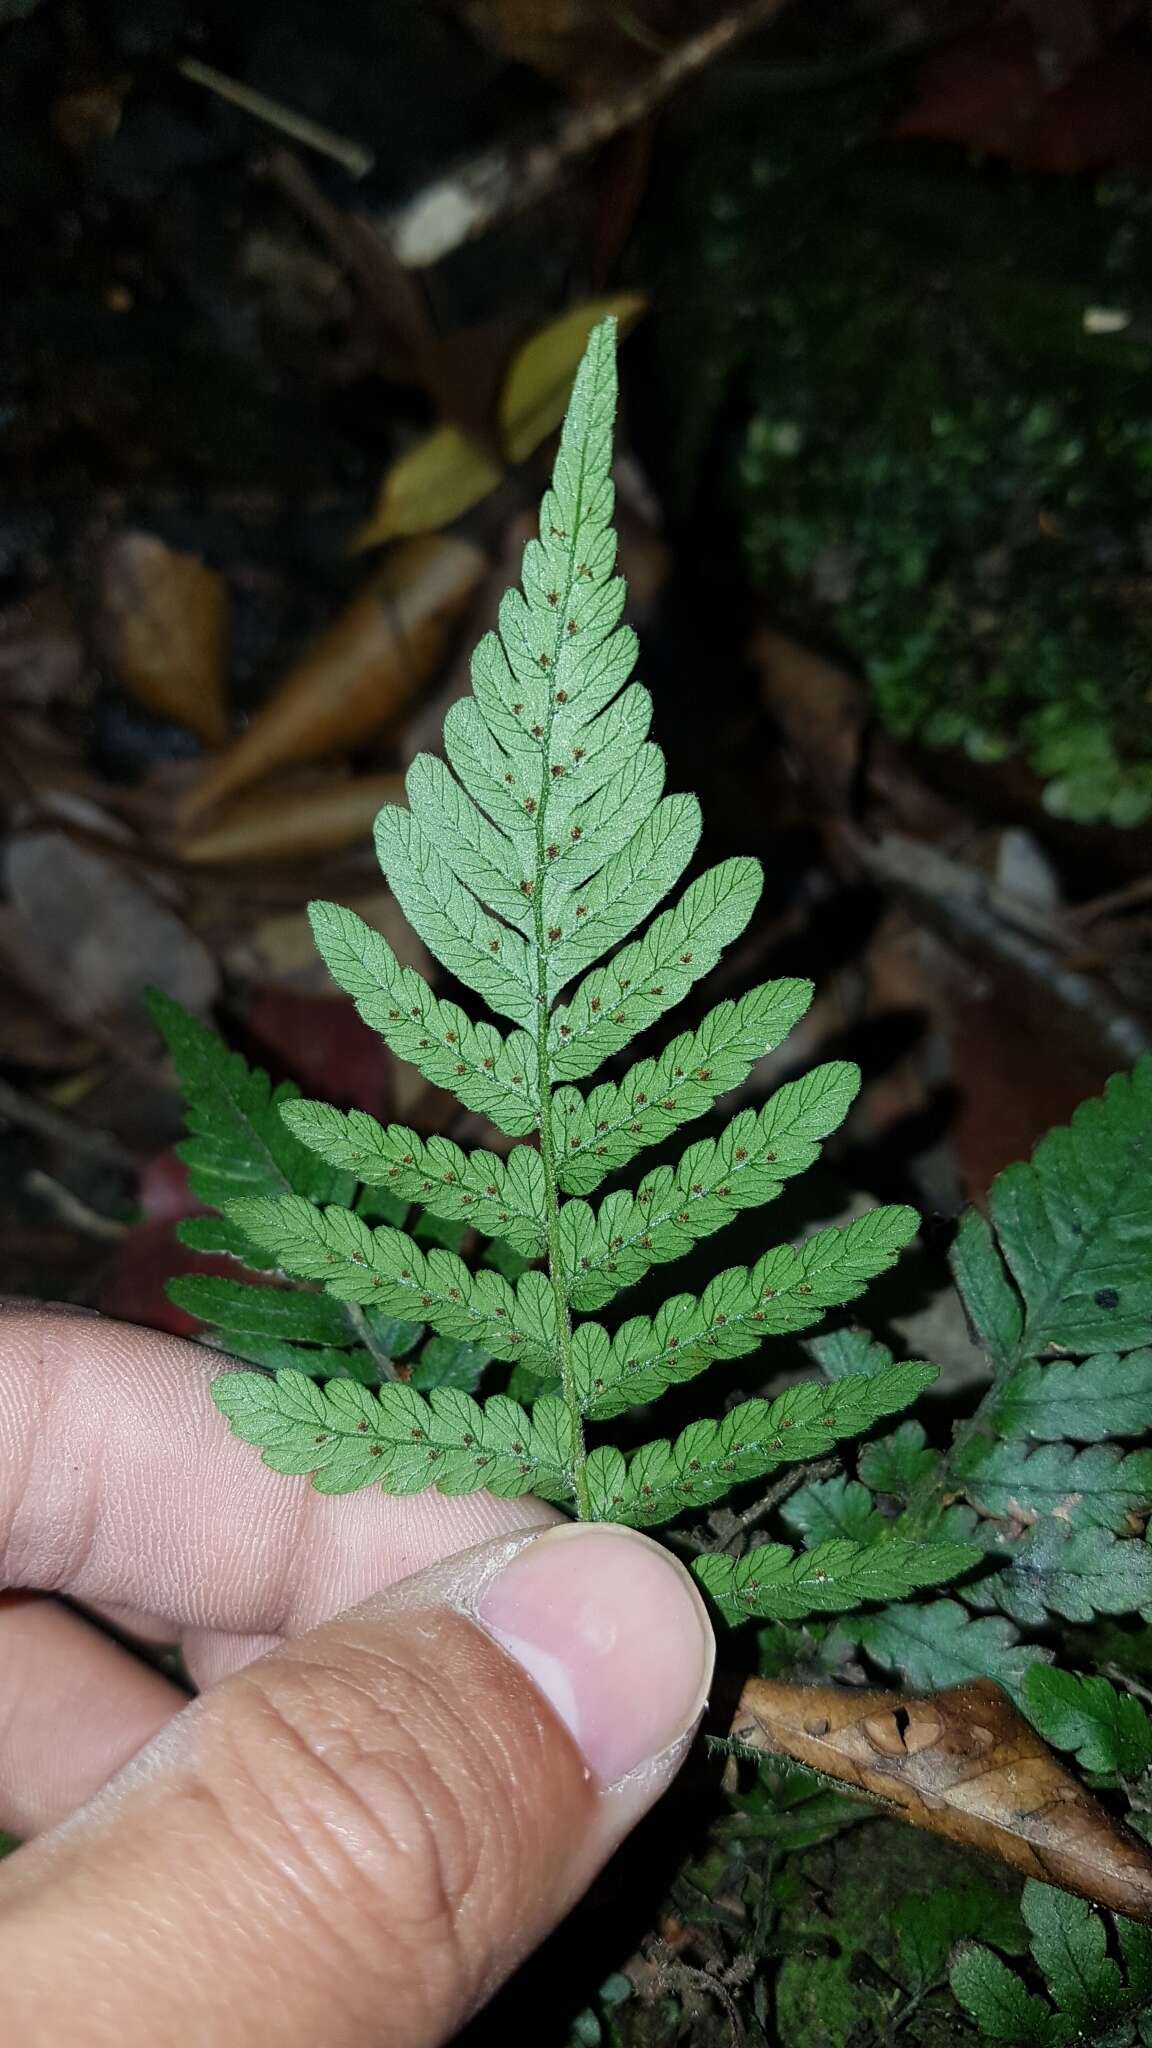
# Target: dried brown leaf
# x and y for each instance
(90, 939)
(821, 708)
(165, 626)
(355, 681)
(279, 824)
(961, 1763)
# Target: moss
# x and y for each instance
(945, 457)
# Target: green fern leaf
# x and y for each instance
(345, 1437)
(941, 1644)
(1108, 1729)
(491, 1074)
(446, 1362)
(216, 1234)
(1075, 1225)
(262, 1311)
(544, 865)
(1098, 1485)
(786, 1290)
(239, 1144)
(502, 1197)
(998, 2001)
(993, 1305)
(839, 1352)
(614, 1245)
(778, 1584)
(829, 1508)
(899, 1463)
(387, 1269)
(1106, 1396)
(595, 1134)
(1073, 1573)
(1095, 1996)
(708, 1459)
(613, 1004)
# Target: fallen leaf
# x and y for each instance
(539, 381)
(284, 824)
(42, 661)
(353, 683)
(165, 627)
(445, 475)
(436, 481)
(989, 90)
(31, 1034)
(90, 114)
(323, 1044)
(961, 1763)
(821, 708)
(90, 939)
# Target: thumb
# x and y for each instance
(360, 1836)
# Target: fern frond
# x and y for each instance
(612, 1246)
(388, 1269)
(345, 1437)
(614, 1004)
(246, 1311)
(239, 1144)
(1095, 1996)
(1098, 1485)
(534, 862)
(786, 1290)
(595, 1134)
(1075, 1224)
(1106, 1396)
(502, 1197)
(1073, 1573)
(774, 1583)
(942, 1644)
(1108, 1729)
(826, 1508)
(490, 1073)
(708, 1459)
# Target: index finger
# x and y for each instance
(121, 1483)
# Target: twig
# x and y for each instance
(34, 1115)
(958, 904)
(357, 160)
(733, 1525)
(468, 201)
(72, 1210)
(359, 1322)
(1133, 894)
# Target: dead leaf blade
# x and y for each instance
(166, 628)
(356, 679)
(287, 824)
(962, 1763)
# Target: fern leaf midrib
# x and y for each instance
(556, 1276)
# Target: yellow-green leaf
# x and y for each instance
(436, 481)
(539, 381)
(444, 475)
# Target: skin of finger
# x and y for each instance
(121, 1484)
(74, 1707)
(381, 1818)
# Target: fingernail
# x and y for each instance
(613, 1632)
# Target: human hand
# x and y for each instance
(355, 1838)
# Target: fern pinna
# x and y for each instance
(533, 863)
